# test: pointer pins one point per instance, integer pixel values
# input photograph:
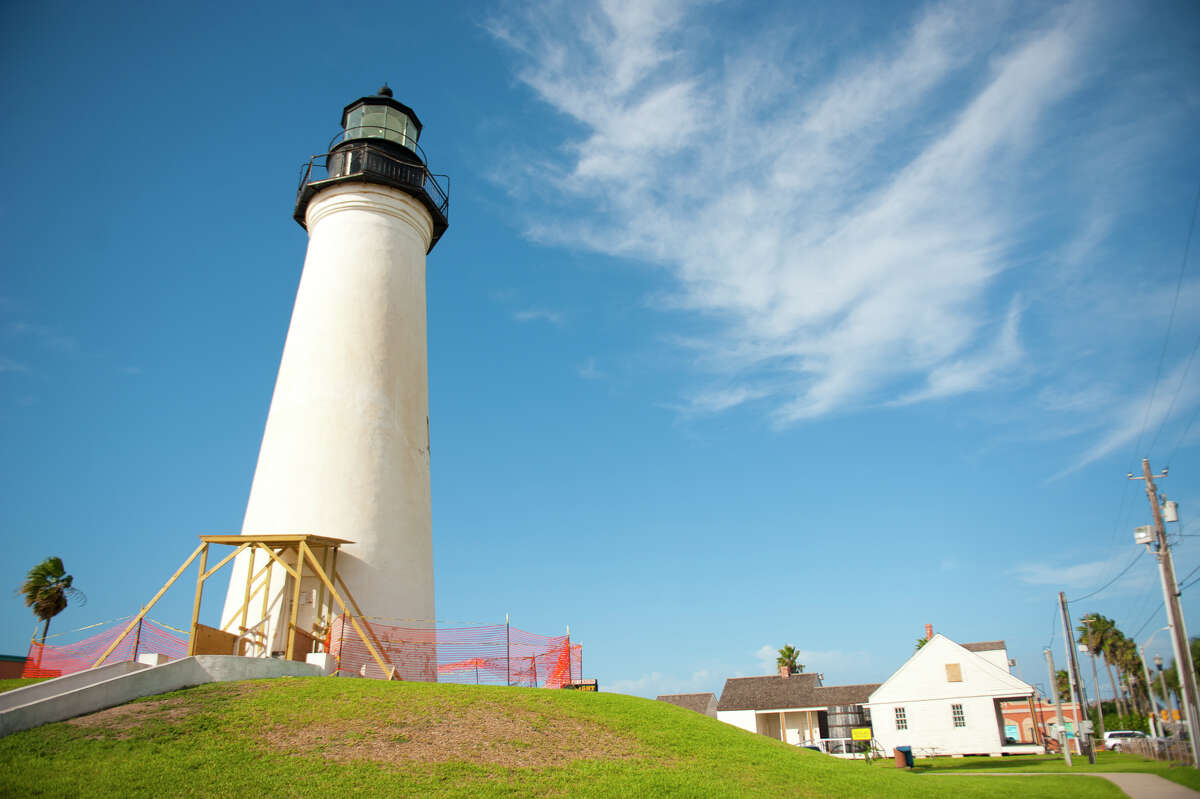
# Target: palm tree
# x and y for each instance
(46, 589)
(1130, 662)
(1062, 683)
(787, 657)
(1099, 634)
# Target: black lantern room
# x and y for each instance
(378, 144)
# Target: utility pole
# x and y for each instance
(1155, 726)
(1064, 743)
(1078, 689)
(1179, 640)
(1087, 624)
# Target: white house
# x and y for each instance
(796, 709)
(947, 699)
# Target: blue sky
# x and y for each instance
(756, 324)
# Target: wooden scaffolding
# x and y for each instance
(317, 553)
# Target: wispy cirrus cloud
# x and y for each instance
(848, 231)
(539, 315)
(43, 335)
(1074, 576)
(1140, 416)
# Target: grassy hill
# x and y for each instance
(344, 737)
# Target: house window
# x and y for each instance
(959, 719)
(953, 672)
(901, 719)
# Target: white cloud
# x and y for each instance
(43, 335)
(539, 314)
(1139, 417)
(656, 684)
(589, 371)
(9, 365)
(829, 662)
(845, 231)
(718, 400)
(1074, 576)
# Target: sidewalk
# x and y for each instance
(1148, 786)
(1135, 785)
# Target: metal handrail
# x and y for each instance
(431, 183)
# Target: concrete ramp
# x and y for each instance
(108, 686)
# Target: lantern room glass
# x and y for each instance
(369, 121)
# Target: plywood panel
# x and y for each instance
(211, 641)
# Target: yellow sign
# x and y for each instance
(860, 734)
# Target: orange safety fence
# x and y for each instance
(55, 660)
(496, 654)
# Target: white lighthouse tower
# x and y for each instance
(345, 453)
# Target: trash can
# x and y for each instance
(904, 757)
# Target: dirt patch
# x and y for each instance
(123, 720)
(484, 735)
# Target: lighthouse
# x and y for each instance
(345, 452)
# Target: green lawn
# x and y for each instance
(1053, 764)
(336, 737)
(17, 682)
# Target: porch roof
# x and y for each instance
(797, 692)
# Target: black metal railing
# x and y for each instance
(368, 160)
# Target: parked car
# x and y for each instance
(1113, 739)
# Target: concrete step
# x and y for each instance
(108, 686)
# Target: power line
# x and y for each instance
(1153, 613)
(1113, 580)
(1186, 430)
(1178, 390)
(1189, 574)
(1170, 323)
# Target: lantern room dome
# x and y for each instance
(381, 116)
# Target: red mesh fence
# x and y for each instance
(55, 660)
(496, 654)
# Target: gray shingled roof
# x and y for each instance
(756, 693)
(830, 695)
(798, 690)
(984, 646)
(697, 702)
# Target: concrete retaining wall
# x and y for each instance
(60, 685)
(140, 681)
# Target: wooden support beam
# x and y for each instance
(251, 579)
(277, 559)
(358, 610)
(199, 596)
(319, 605)
(266, 605)
(245, 609)
(295, 610)
(224, 560)
(146, 609)
(383, 663)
